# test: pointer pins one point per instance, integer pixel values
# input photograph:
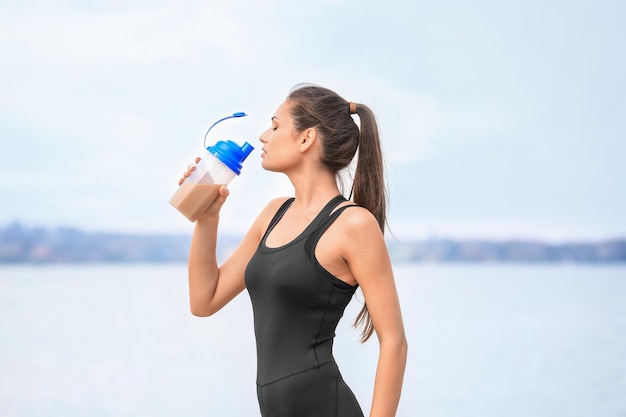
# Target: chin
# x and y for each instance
(267, 167)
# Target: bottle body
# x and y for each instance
(202, 186)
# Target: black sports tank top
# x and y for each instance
(296, 302)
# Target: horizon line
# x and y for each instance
(421, 237)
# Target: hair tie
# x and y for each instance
(352, 107)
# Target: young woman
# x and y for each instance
(304, 257)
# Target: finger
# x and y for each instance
(191, 167)
(221, 198)
(223, 193)
(183, 178)
(198, 159)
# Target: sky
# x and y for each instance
(498, 119)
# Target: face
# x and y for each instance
(280, 142)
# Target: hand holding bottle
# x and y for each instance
(204, 183)
(214, 208)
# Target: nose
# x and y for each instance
(263, 137)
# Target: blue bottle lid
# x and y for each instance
(227, 151)
(231, 154)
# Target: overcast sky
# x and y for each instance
(498, 118)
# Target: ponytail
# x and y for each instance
(369, 189)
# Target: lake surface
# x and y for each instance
(484, 341)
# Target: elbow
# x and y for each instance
(402, 345)
(201, 309)
(200, 312)
(398, 345)
(401, 349)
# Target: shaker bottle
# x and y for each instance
(219, 165)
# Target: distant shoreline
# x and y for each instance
(20, 244)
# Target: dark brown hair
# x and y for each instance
(327, 112)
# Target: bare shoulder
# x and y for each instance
(357, 227)
(357, 221)
(360, 242)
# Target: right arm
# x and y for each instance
(211, 287)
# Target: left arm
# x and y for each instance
(368, 259)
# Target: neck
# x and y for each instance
(313, 189)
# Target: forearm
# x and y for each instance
(203, 268)
(389, 377)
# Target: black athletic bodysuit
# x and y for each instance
(297, 305)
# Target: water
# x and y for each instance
(484, 340)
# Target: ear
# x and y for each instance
(307, 139)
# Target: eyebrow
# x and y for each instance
(274, 117)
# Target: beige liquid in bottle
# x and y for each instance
(191, 199)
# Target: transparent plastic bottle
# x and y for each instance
(218, 166)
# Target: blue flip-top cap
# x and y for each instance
(231, 154)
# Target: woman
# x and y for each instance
(304, 257)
